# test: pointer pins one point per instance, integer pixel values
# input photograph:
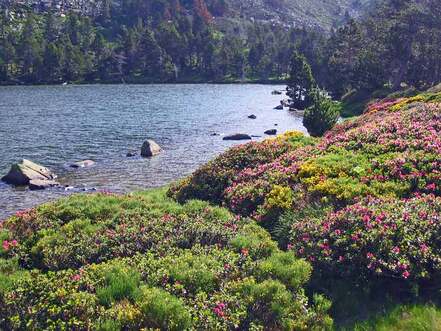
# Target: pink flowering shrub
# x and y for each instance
(375, 237)
(142, 261)
(210, 181)
(386, 152)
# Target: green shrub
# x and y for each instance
(196, 273)
(119, 284)
(286, 268)
(157, 264)
(254, 241)
(272, 307)
(161, 310)
(322, 115)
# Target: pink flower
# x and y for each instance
(366, 218)
(341, 258)
(406, 274)
(219, 309)
(431, 187)
(370, 256)
(424, 248)
(290, 247)
(76, 277)
(14, 243)
(5, 245)
(396, 250)
(244, 252)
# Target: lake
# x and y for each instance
(57, 125)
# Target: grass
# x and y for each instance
(404, 318)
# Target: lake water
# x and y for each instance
(58, 125)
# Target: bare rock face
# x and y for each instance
(237, 136)
(150, 148)
(23, 172)
(82, 164)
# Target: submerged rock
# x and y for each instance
(150, 148)
(82, 164)
(23, 172)
(271, 132)
(279, 107)
(238, 136)
(41, 184)
(131, 154)
(253, 117)
(276, 92)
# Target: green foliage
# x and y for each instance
(162, 310)
(401, 318)
(300, 82)
(382, 49)
(118, 284)
(137, 42)
(142, 261)
(255, 241)
(322, 115)
(286, 268)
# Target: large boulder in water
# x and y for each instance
(150, 148)
(23, 172)
(238, 136)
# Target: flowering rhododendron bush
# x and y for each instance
(372, 184)
(209, 182)
(388, 237)
(392, 151)
(111, 262)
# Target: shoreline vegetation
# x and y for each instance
(292, 233)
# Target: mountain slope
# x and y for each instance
(313, 13)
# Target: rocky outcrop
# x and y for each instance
(238, 136)
(150, 148)
(279, 107)
(131, 154)
(25, 171)
(252, 116)
(82, 164)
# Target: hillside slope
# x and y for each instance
(302, 13)
(306, 13)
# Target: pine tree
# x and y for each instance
(300, 82)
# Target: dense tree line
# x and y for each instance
(141, 41)
(398, 43)
(182, 40)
